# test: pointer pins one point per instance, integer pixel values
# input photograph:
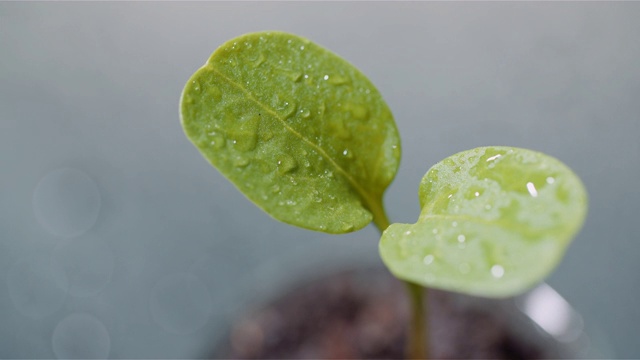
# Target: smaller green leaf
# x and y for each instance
(494, 222)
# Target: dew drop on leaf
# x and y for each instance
(305, 113)
(497, 271)
(241, 162)
(337, 80)
(358, 112)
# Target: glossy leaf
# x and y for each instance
(298, 130)
(494, 222)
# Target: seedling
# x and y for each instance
(309, 139)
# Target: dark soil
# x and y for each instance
(364, 315)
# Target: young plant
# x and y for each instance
(309, 139)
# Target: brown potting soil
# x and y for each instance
(365, 316)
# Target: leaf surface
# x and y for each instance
(494, 222)
(297, 129)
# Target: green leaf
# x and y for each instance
(301, 132)
(494, 222)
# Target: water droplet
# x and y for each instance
(494, 157)
(454, 224)
(348, 227)
(345, 152)
(428, 259)
(294, 76)
(337, 80)
(435, 231)
(550, 180)
(286, 164)
(449, 197)
(317, 199)
(218, 142)
(497, 271)
(214, 92)
(301, 47)
(267, 134)
(326, 77)
(181, 303)
(487, 207)
(287, 109)
(247, 133)
(359, 112)
(66, 202)
(408, 232)
(291, 202)
(322, 227)
(305, 113)
(189, 99)
(275, 188)
(240, 162)
(461, 238)
(81, 336)
(477, 194)
(196, 85)
(257, 61)
(532, 189)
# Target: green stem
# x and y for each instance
(418, 338)
(418, 342)
(379, 215)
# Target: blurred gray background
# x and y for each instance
(118, 240)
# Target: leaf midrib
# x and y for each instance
(369, 199)
(501, 224)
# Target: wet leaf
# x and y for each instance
(494, 222)
(298, 130)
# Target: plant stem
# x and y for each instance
(418, 338)
(418, 342)
(379, 215)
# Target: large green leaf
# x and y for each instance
(298, 130)
(494, 222)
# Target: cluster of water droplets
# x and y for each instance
(476, 195)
